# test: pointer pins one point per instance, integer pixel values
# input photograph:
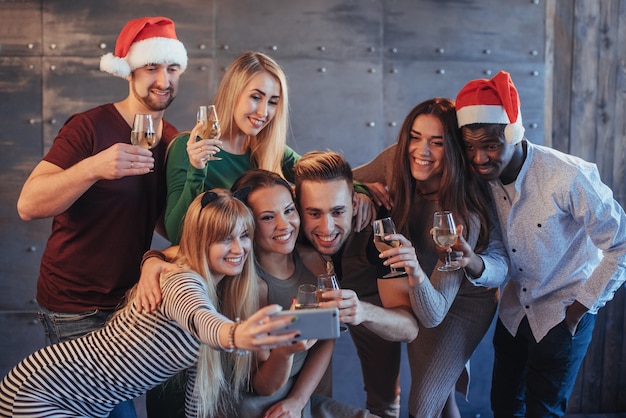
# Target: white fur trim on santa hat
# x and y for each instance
(513, 133)
(148, 51)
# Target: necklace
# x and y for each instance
(330, 267)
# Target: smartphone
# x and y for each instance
(318, 323)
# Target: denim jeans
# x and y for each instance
(536, 379)
(60, 326)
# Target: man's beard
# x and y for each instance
(154, 105)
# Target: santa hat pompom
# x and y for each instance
(117, 66)
(494, 101)
(143, 41)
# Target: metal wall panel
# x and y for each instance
(321, 29)
(20, 139)
(484, 30)
(20, 335)
(89, 28)
(20, 31)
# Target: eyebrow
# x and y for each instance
(265, 94)
(414, 132)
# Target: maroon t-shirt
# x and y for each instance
(93, 254)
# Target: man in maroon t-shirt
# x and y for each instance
(105, 194)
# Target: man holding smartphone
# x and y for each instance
(325, 198)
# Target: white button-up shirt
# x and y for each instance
(566, 240)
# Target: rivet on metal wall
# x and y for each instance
(487, 51)
(102, 45)
(393, 71)
(534, 73)
(53, 121)
(31, 67)
(533, 125)
(53, 46)
(392, 124)
(203, 68)
(371, 70)
(441, 71)
(31, 121)
(53, 67)
(225, 47)
(322, 69)
(30, 46)
(31, 249)
(274, 47)
(371, 49)
(534, 52)
(440, 50)
(487, 72)
(393, 50)
(322, 48)
(371, 124)
(534, 1)
(202, 46)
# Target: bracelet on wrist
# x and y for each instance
(150, 254)
(232, 346)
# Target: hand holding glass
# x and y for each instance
(307, 297)
(382, 228)
(325, 283)
(445, 235)
(208, 116)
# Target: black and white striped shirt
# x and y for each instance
(134, 352)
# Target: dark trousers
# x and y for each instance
(536, 379)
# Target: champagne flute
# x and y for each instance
(445, 235)
(142, 134)
(208, 116)
(306, 298)
(382, 228)
(325, 283)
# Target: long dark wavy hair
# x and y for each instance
(458, 191)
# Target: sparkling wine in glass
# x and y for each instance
(382, 228)
(325, 283)
(210, 125)
(307, 297)
(142, 133)
(445, 235)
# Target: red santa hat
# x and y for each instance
(492, 101)
(143, 41)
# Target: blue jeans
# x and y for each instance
(536, 379)
(60, 326)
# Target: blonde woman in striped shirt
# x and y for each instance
(134, 352)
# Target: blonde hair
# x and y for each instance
(221, 377)
(268, 147)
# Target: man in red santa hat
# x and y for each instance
(105, 194)
(566, 240)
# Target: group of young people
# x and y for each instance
(541, 241)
